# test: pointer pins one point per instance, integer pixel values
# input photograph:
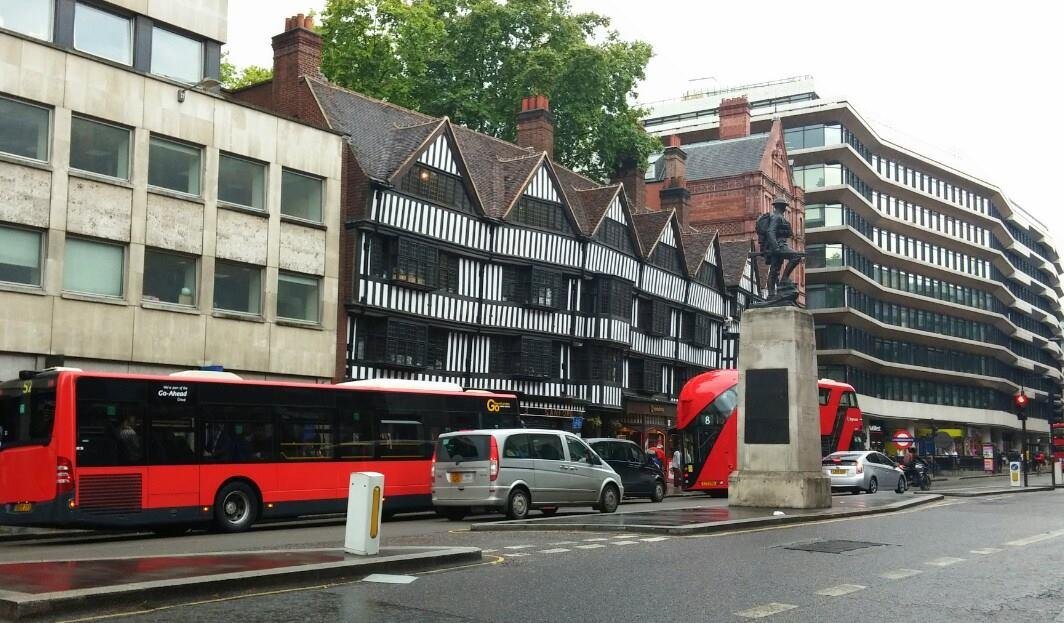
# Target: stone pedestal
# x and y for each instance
(779, 414)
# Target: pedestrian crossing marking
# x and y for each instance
(655, 539)
(592, 546)
(840, 590)
(985, 551)
(945, 561)
(556, 550)
(758, 612)
(626, 542)
(1036, 538)
(564, 543)
(899, 574)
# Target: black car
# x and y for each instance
(641, 477)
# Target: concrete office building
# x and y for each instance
(934, 294)
(147, 221)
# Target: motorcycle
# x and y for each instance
(918, 475)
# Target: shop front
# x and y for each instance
(567, 416)
(646, 423)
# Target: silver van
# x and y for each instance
(515, 470)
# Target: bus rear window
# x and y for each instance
(463, 448)
(26, 419)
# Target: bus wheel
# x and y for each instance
(235, 507)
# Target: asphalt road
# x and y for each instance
(997, 558)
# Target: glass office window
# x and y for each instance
(297, 297)
(301, 196)
(176, 56)
(103, 34)
(24, 129)
(92, 267)
(99, 148)
(20, 256)
(29, 17)
(169, 277)
(173, 165)
(242, 182)
(237, 287)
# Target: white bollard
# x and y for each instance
(364, 501)
(1058, 477)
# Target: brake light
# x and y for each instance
(493, 470)
(432, 468)
(860, 466)
(64, 475)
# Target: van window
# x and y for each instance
(547, 448)
(578, 452)
(463, 448)
(517, 447)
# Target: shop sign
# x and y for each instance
(902, 438)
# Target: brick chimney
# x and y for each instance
(296, 53)
(734, 117)
(633, 178)
(674, 194)
(535, 125)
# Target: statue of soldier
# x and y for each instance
(773, 234)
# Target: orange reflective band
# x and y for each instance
(375, 518)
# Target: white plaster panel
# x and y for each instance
(245, 132)
(31, 70)
(25, 194)
(305, 352)
(87, 329)
(98, 209)
(206, 17)
(169, 337)
(191, 120)
(96, 89)
(237, 344)
(302, 249)
(174, 224)
(308, 149)
(242, 237)
(27, 325)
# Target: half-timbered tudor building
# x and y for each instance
(742, 283)
(476, 261)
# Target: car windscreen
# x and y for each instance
(463, 448)
(26, 418)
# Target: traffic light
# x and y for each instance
(1056, 407)
(1020, 401)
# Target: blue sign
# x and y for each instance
(578, 422)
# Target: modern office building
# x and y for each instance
(934, 294)
(149, 223)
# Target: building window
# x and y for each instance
(823, 215)
(175, 56)
(543, 214)
(297, 297)
(436, 186)
(600, 364)
(708, 275)
(702, 330)
(524, 357)
(827, 296)
(514, 284)
(23, 129)
(654, 317)
(546, 289)
(824, 255)
(174, 166)
(241, 182)
(169, 277)
(20, 256)
(92, 267)
(615, 234)
(99, 148)
(103, 34)
(414, 263)
(437, 349)
(666, 257)
(29, 17)
(301, 196)
(237, 287)
(392, 342)
(606, 296)
(448, 273)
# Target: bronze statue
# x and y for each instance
(773, 233)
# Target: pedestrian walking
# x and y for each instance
(675, 468)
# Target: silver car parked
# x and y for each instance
(863, 471)
(515, 470)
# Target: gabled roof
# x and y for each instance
(695, 245)
(648, 227)
(714, 159)
(734, 255)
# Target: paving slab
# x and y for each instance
(43, 589)
(981, 491)
(704, 519)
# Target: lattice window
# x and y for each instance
(436, 186)
(543, 214)
(615, 235)
(667, 258)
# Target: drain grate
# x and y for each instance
(833, 547)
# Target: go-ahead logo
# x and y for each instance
(494, 406)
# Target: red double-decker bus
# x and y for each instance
(1056, 434)
(706, 426)
(102, 450)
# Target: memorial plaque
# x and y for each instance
(766, 408)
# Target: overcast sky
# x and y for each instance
(974, 84)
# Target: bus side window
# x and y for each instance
(401, 437)
(306, 433)
(172, 434)
(110, 433)
(237, 433)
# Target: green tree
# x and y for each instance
(474, 60)
(233, 78)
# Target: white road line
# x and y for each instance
(945, 561)
(384, 578)
(624, 536)
(840, 590)
(518, 546)
(1036, 538)
(626, 542)
(758, 612)
(556, 550)
(596, 539)
(655, 539)
(564, 543)
(592, 546)
(899, 574)
(985, 551)
(515, 554)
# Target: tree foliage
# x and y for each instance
(233, 78)
(474, 60)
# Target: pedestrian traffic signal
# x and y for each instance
(1056, 407)
(1020, 401)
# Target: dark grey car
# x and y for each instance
(641, 477)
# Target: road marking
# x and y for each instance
(624, 536)
(758, 612)
(985, 551)
(840, 590)
(899, 574)
(655, 539)
(518, 546)
(592, 546)
(626, 542)
(556, 550)
(1036, 538)
(384, 578)
(515, 555)
(596, 539)
(564, 543)
(945, 561)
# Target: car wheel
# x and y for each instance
(659, 491)
(873, 485)
(609, 500)
(549, 511)
(453, 513)
(517, 504)
(236, 506)
(901, 485)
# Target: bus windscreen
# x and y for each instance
(26, 418)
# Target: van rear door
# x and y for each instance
(463, 463)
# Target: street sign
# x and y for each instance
(1014, 474)
(902, 438)
(578, 422)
